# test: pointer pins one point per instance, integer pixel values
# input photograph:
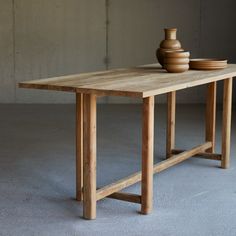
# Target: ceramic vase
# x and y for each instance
(169, 44)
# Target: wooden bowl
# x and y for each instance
(174, 68)
(183, 54)
(176, 60)
(207, 64)
(160, 54)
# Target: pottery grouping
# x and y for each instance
(169, 44)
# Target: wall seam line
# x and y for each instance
(14, 48)
(107, 34)
(200, 30)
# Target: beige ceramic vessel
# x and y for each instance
(162, 51)
(208, 64)
(176, 62)
(174, 68)
(170, 43)
(182, 54)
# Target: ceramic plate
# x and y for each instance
(207, 64)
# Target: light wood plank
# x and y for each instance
(128, 197)
(144, 81)
(203, 155)
(159, 167)
(226, 123)
(181, 157)
(89, 121)
(211, 115)
(118, 185)
(147, 155)
(171, 110)
(79, 146)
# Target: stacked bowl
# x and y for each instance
(176, 62)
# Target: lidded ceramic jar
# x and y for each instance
(170, 43)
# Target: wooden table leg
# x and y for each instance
(170, 136)
(79, 146)
(147, 155)
(89, 193)
(211, 115)
(226, 123)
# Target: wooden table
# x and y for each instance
(143, 82)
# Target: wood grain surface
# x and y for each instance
(143, 81)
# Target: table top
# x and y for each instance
(142, 81)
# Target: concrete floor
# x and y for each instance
(37, 175)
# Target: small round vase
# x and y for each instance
(170, 43)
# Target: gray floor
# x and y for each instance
(37, 183)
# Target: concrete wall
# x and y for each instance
(7, 82)
(41, 38)
(57, 37)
